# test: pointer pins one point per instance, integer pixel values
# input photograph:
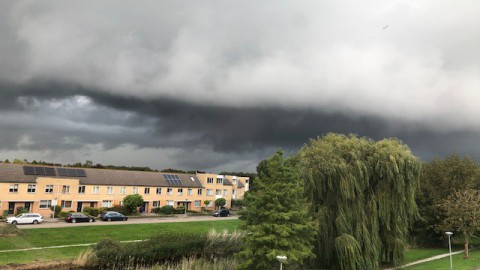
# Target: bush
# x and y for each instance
(91, 211)
(102, 210)
(162, 248)
(120, 209)
(58, 209)
(169, 248)
(167, 209)
(62, 214)
(132, 202)
(179, 210)
(220, 202)
(21, 210)
(238, 203)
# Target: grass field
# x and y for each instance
(92, 234)
(459, 263)
(418, 254)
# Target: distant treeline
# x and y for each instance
(89, 164)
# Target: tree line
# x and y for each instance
(349, 202)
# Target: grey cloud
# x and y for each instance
(210, 84)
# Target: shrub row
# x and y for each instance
(168, 247)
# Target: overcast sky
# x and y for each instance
(219, 85)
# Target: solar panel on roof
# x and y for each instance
(28, 170)
(178, 182)
(81, 173)
(39, 170)
(50, 172)
(62, 172)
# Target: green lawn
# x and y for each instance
(92, 234)
(458, 263)
(418, 254)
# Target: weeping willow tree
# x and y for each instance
(362, 194)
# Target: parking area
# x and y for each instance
(54, 223)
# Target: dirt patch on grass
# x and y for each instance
(59, 265)
(9, 230)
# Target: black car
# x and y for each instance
(222, 213)
(78, 217)
(112, 216)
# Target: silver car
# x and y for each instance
(27, 218)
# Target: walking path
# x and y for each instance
(426, 260)
(64, 246)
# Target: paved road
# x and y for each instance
(50, 223)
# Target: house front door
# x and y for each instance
(27, 206)
(11, 208)
(79, 206)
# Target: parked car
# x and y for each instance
(112, 216)
(26, 218)
(78, 217)
(222, 213)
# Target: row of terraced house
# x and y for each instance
(36, 188)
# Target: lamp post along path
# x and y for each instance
(449, 234)
(282, 260)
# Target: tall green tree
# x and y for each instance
(462, 214)
(132, 202)
(220, 202)
(439, 179)
(276, 218)
(362, 194)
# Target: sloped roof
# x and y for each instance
(13, 173)
(227, 182)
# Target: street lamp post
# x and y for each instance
(282, 260)
(449, 234)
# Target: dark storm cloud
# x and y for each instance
(211, 84)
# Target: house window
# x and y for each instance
(233, 192)
(135, 190)
(189, 191)
(123, 190)
(96, 190)
(159, 191)
(225, 192)
(65, 189)
(147, 190)
(106, 203)
(156, 204)
(49, 189)
(81, 189)
(209, 192)
(171, 203)
(180, 191)
(109, 190)
(32, 188)
(234, 181)
(218, 192)
(210, 180)
(199, 192)
(120, 203)
(66, 204)
(209, 204)
(197, 203)
(13, 188)
(44, 204)
(219, 180)
(169, 191)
